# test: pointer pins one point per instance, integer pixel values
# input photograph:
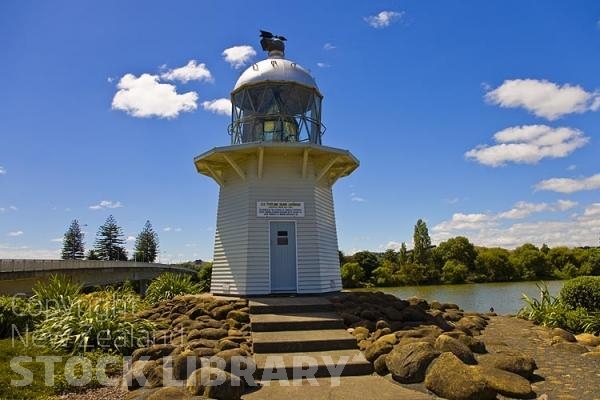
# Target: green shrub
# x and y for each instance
(204, 277)
(59, 290)
(352, 275)
(169, 285)
(582, 292)
(102, 320)
(14, 311)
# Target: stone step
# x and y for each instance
(302, 341)
(289, 305)
(295, 321)
(318, 364)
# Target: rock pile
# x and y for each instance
(200, 335)
(415, 341)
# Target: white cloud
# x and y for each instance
(543, 98)
(218, 106)
(2, 170)
(354, 197)
(24, 252)
(130, 239)
(528, 144)
(564, 205)
(329, 46)
(323, 65)
(568, 185)
(462, 221)
(192, 71)
(7, 209)
(452, 200)
(572, 167)
(145, 96)
(15, 233)
(105, 204)
(238, 56)
(171, 229)
(57, 240)
(523, 209)
(383, 19)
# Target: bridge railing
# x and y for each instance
(14, 265)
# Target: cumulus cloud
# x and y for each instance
(574, 230)
(105, 204)
(145, 96)
(568, 185)
(543, 98)
(2, 170)
(523, 209)
(460, 221)
(238, 56)
(329, 46)
(24, 252)
(57, 240)
(192, 71)
(171, 229)
(15, 233)
(218, 106)
(354, 197)
(528, 144)
(383, 19)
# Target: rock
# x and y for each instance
(137, 375)
(516, 363)
(207, 333)
(474, 344)
(349, 319)
(153, 352)
(506, 383)
(196, 343)
(408, 340)
(587, 339)
(226, 344)
(155, 376)
(380, 365)
(393, 314)
(382, 324)
(239, 316)
(377, 349)
(571, 347)
(389, 338)
(370, 315)
(215, 383)
(360, 333)
(229, 355)
(446, 343)
(592, 355)
(197, 312)
(415, 301)
(180, 319)
(414, 313)
(184, 364)
(567, 336)
(453, 315)
(448, 377)
(408, 363)
(169, 393)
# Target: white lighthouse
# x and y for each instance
(276, 228)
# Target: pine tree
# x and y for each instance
(146, 244)
(110, 242)
(421, 242)
(73, 242)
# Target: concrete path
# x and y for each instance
(369, 387)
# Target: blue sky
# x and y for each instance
(483, 118)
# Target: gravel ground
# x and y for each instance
(104, 393)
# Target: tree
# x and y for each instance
(458, 249)
(110, 242)
(530, 262)
(92, 255)
(367, 262)
(494, 264)
(403, 254)
(352, 275)
(454, 272)
(391, 256)
(422, 243)
(73, 243)
(146, 244)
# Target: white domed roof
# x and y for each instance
(276, 70)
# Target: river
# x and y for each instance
(505, 297)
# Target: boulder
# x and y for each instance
(563, 334)
(197, 312)
(215, 383)
(392, 314)
(184, 364)
(415, 313)
(169, 393)
(349, 319)
(448, 377)
(446, 343)
(239, 316)
(519, 364)
(153, 352)
(137, 375)
(208, 333)
(380, 365)
(506, 383)
(571, 347)
(474, 344)
(408, 363)
(587, 339)
(226, 344)
(377, 349)
(360, 333)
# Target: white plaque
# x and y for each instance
(290, 209)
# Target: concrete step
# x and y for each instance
(302, 341)
(296, 321)
(319, 364)
(289, 305)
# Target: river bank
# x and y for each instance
(504, 297)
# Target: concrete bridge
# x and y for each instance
(19, 276)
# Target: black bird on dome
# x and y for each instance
(270, 42)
